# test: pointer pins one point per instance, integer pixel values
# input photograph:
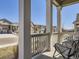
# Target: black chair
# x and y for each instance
(65, 50)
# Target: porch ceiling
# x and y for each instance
(64, 3)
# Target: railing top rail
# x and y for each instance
(43, 34)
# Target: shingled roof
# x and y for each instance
(6, 20)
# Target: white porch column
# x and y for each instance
(24, 31)
(49, 16)
(59, 28)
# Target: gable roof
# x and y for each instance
(6, 20)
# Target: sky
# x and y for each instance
(38, 14)
(9, 9)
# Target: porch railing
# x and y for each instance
(39, 43)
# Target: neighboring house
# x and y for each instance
(15, 27)
(42, 29)
(54, 28)
(76, 24)
(7, 27)
(36, 29)
(67, 30)
(39, 29)
(32, 28)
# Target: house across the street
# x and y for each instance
(7, 26)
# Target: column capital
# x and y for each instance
(59, 8)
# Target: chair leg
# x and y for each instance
(68, 58)
(54, 54)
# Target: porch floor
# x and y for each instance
(46, 55)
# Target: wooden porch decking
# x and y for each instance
(46, 55)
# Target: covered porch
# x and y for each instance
(40, 46)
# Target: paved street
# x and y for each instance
(8, 40)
